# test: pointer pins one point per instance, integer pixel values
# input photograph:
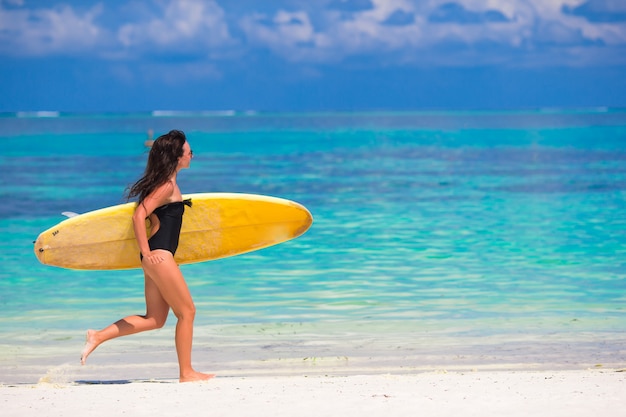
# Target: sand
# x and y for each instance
(318, 375)
(589, 392)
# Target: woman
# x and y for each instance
(160, 200)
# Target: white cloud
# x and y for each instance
(178, 25)
(182, 24)
(45, 31)
(450, 32)
(288, 34)
(519, 27)
(367, 29)
(284, 29)
(293, 35)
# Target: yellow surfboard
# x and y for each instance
(217, 225)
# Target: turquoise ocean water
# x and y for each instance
(441, 240)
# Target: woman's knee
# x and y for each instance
(159, 322)
(187, 312)
(155, 322)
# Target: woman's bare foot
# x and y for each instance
(194, 376)
(91, 343)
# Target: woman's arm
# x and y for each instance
(157, 198)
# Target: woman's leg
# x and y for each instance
(172, 286)
(157, 310)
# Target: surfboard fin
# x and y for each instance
(69, 214)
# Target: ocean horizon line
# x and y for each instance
(164, 113)
(227, 121)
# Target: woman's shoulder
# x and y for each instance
(167, 188)
(168, 192)
(161, 194)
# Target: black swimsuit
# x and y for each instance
(170, 221)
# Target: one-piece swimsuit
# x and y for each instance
(170, 222)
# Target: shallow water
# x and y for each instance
(440, 232)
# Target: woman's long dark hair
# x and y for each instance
(162, 163)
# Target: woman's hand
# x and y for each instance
(154, 257)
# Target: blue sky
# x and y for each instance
(311, 55)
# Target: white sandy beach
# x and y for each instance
(483, 393)
(293, 375)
